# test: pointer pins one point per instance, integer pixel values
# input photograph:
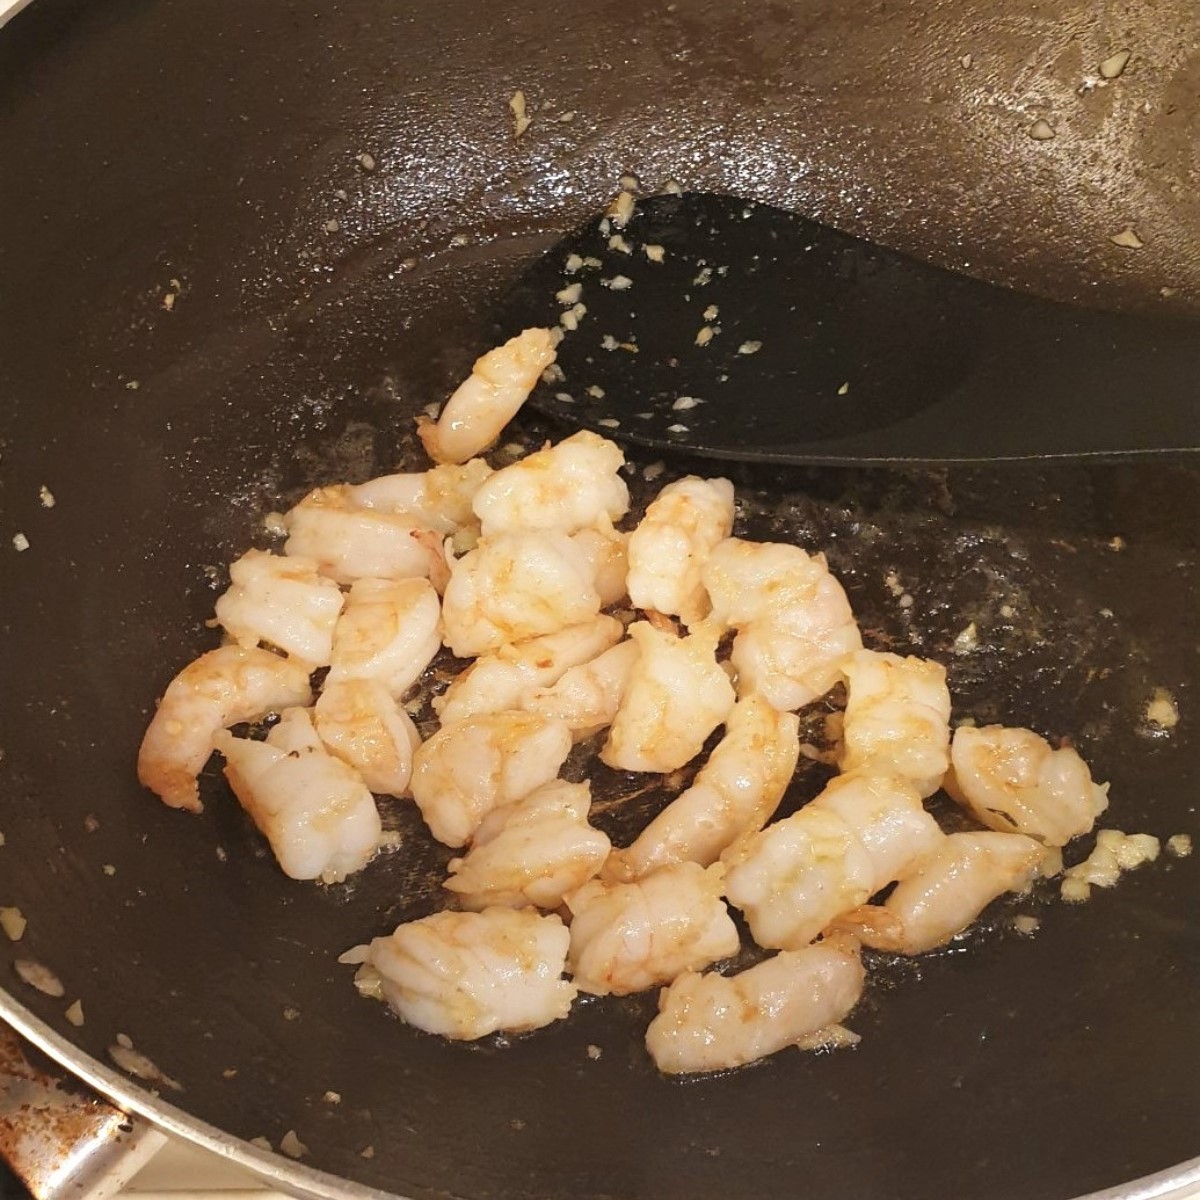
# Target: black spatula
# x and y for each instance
(741, 331)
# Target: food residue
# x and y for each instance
(1114, 66)
(1127, 239)
(39, 977)
(521, 118)
(1161, 709)
(13, 922)
(1114, 853)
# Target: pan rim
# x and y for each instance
(1180, 1182)
(306, 1183)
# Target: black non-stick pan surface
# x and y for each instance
(319, 304)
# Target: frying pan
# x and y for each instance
(146, 141)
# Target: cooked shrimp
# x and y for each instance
(531, 852)
(567, 486)
(631, 936)
(676, 696)
(897, 718)
(439, 498)
(499, 383)
(360, 723)
(735, 792)
(510, 675)
(513, 587)
(949, 888)
(389, 632)
(470, 767)
(464, 975)
(605, 550)
(672, 543)
(281, 601)
(587, 697)
(714, 1022)
(887, 817)
(1010, 780)
(350, 542)
(221, 688)
(315, 810)
(792, 879)
(793, 619)
(796, 876)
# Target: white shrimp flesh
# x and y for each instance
(734, 793)
(676, 696)
(949, 888)
(439, 498)
(388, 632)
(350, 542)
(284, 602)
(513, 587)
(567, 486)
(531, 852)
(359, 722)
(464, 975)
(587, 697)
(794, 877)
(468, 768)
(897, 719)
(316, 812)
(224, 687)
(499, 383)
(715, 1022)
(605, 550)
(793, 620)
(672, 542)
(628, 937)
(1011, 780)
(507, 677)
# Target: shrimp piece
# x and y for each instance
(464, 974)
(792, 879)
(360, 723)
(676, 696)
(513, 587)
(531, 852)
(568, 486)
(715, 1022)
(350, 542)
(735, 792)
(897, 718)
(672, 542)
(439, 498)
(796, 876)
(499, 383)
(587, 697)
(315, 810)
(948, 889)
(388, 632)
(1010, 780)
(221, 688)
(506, 677)
(470, 767)
(605, 551)
(794, 622)
(887, 817)
(632, 936)
(282, 601)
